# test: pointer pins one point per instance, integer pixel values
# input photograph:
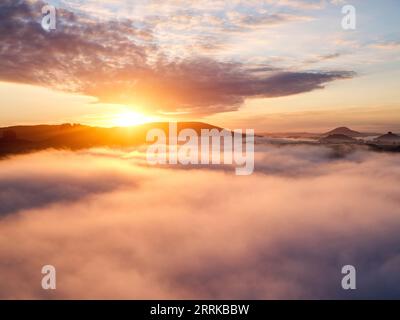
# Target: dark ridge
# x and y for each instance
(25, 139)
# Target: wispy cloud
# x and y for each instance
(386, 45)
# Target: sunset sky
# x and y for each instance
(192, 212)
(284, 65)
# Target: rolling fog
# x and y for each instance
(116, 228)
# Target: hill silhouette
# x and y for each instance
(337, 138)
(389, 137)
(344, 131)
(23, 139)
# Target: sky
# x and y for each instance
(285, 65)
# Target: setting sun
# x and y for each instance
(130, 118)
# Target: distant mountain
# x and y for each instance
(291, 135)
(389, 138)
(307, 135)
(345, 131)
(338, 138)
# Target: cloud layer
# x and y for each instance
(284, 232)
(119, 61)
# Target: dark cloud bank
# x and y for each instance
(284, 232)
(119, 62)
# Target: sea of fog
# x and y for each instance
(115, 227)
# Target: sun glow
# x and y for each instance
(129, 118)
